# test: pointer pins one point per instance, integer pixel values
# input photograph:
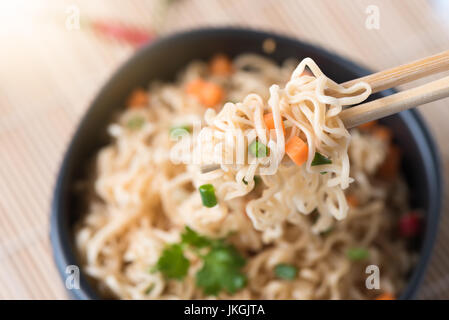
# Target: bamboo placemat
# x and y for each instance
(50, 74)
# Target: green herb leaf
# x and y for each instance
(285, 271)
(357, 254)
(192, 238)
(135, 123)
(172, 263)
(258, 149)
(319, 159)
(149, 289)
(207, 192)
(221, 270)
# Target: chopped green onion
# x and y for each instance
(257, 180)
(258, 149)
(357, 254)
(323, 172)
(179, 131)
(326, 232)
(319, 159)
(285, 271)
(135, 123)
(207, 193)
(149, 289)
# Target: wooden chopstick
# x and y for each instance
(405, 73)
(395, 103)
(398, 102)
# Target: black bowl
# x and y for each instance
(162, 60)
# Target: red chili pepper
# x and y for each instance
(410, 225)
(120, 32)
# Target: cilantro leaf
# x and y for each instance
(285, 271)
(192, 238)
(221, 270)
(172, 263)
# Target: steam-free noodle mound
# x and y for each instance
(297, 208)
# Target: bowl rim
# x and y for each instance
(63, 254)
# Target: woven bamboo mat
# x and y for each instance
(49, 75)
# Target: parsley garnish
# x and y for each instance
(194, 239)
(285, 271)
(172, 263)
(221, 268)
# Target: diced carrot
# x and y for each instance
(269, 122)
(208, 93)
(137, 99)
(386, 296)
(297, 150)
(194, 87)
(221, 65)
(352, 200)
(368, 126)
(211, 94)
(390, 167)
(383, 133)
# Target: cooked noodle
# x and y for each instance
(145, 189)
